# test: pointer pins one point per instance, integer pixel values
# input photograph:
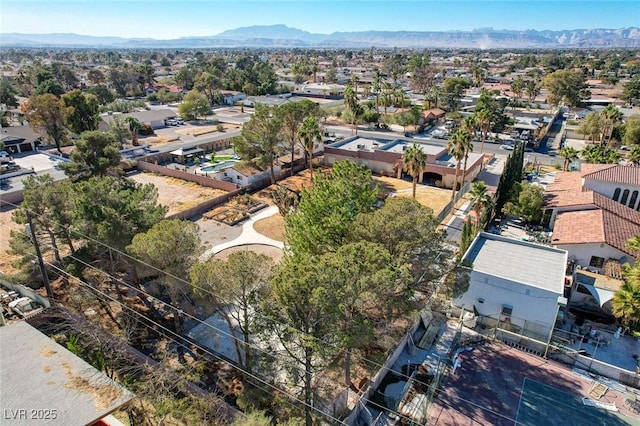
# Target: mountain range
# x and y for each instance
(275, 36)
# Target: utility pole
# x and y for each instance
(45, 278)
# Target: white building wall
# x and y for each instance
(538, 307)
(582, 253)
(608, 189)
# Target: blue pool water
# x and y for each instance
(218, 166)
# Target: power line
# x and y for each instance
(204, 349)
(373, 363)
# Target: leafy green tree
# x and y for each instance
(260, 139)
(49, 206)
(517, 87)
(453, 88)
(565, 87)
(80, 111)
(171, 246)
(592, 126)
(351, 100)
(631, 90)
(94, 154)
(309, 133)
(632, 132)
(194, 106)
(46, 112)
(301, 312)
(113, 210)
(46, 83)
(292, 115)
(134, 127)
(119, 129)
(600, 154)
(232, 286)
(360, 273)
(7, 94)
(527, 202)
(568, 154)
(96, 77)
(323, 217)
(634, 155)
(408, 231)
(102, 93)
(414, 161)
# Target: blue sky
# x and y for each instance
(164, 19)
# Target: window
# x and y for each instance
(596, 262)
(634, 198)
(625, 196)
(507, 310)
(616, 194)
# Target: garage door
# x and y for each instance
(24, 147)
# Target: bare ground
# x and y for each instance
(177, 194)
(6, 225)
(272, 227)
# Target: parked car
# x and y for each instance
(506, 147)
(624, 147)
(514, 134)
(171, 122)
(179, 121)
(5, 157)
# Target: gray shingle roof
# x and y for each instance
(527, 263)
(39, 374)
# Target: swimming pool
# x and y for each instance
(218, 166)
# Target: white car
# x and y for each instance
(506, 147)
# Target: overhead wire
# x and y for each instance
(204, 290)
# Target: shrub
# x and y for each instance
(220, 128)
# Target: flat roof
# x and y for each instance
(399, 146)
(520, 261)
(358, 143)
(41, 377)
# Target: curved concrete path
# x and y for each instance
(248, 236)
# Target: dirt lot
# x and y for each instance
(435, 198)
(6, 225)
(177, 194)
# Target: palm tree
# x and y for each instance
(626, 303)
(481, 200)
(310, 134)
(455, 147)
(568, 154)
(634, 155)
(633, 244)
(611, 115)
(134, 126)
(467, 146)
(483, 121)
(414, 161)
(351, 100)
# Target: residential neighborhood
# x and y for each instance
(329, 234)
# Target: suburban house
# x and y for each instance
(591, 217)
(19, 139)
(385, 157)
(66, 389)
(186, 155)
(319, 90)
(515, 282)
(156, 118)
(432, 115)
(230, 97)
(239, 173)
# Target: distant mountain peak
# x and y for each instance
(281, 35)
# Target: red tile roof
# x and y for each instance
(607, 222)
(629, 175)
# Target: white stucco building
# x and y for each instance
(516, 282)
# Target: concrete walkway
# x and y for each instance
(248, 236)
